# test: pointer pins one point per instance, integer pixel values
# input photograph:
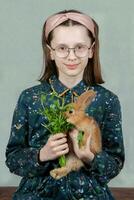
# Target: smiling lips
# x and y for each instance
(71, 66)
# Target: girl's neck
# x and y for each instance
(69, 82)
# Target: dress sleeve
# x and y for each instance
(21, 158)
(108, 163)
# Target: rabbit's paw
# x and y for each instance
(59, 172)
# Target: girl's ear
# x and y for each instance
(51, 52)
(51, 55)
(91, 50)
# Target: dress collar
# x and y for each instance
(61, 89)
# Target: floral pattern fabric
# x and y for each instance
(28, 136)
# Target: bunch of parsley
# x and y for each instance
(53, 109)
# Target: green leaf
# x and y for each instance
(80, 137)
(62, 161)
(55, 119)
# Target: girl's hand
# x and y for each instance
(56, 146)
(84, 154)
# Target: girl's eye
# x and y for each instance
(79, 46)
(62, 48)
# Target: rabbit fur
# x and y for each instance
(85, 123)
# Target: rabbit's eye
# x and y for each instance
(71, 111)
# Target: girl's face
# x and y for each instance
(71, 36)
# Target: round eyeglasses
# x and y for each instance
(62, 51)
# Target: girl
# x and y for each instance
(71, 51)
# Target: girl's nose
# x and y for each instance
(71, 54)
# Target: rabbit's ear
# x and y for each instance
(85, 99)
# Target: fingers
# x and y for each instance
(55, 147)
(60, 147)
(61, 141)
(58, 139)
(73, 134)
(89, 141)
(62, 152)
(57, 136)
(58, 144)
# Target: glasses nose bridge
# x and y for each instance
(73, 50)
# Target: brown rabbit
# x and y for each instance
(76, 115)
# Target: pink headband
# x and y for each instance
(55, 20)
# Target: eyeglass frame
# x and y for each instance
(70, 49)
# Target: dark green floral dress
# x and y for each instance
(28, 136)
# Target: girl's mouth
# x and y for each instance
(71, 66)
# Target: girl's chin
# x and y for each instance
(72, 73)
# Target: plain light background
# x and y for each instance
(21, 25)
